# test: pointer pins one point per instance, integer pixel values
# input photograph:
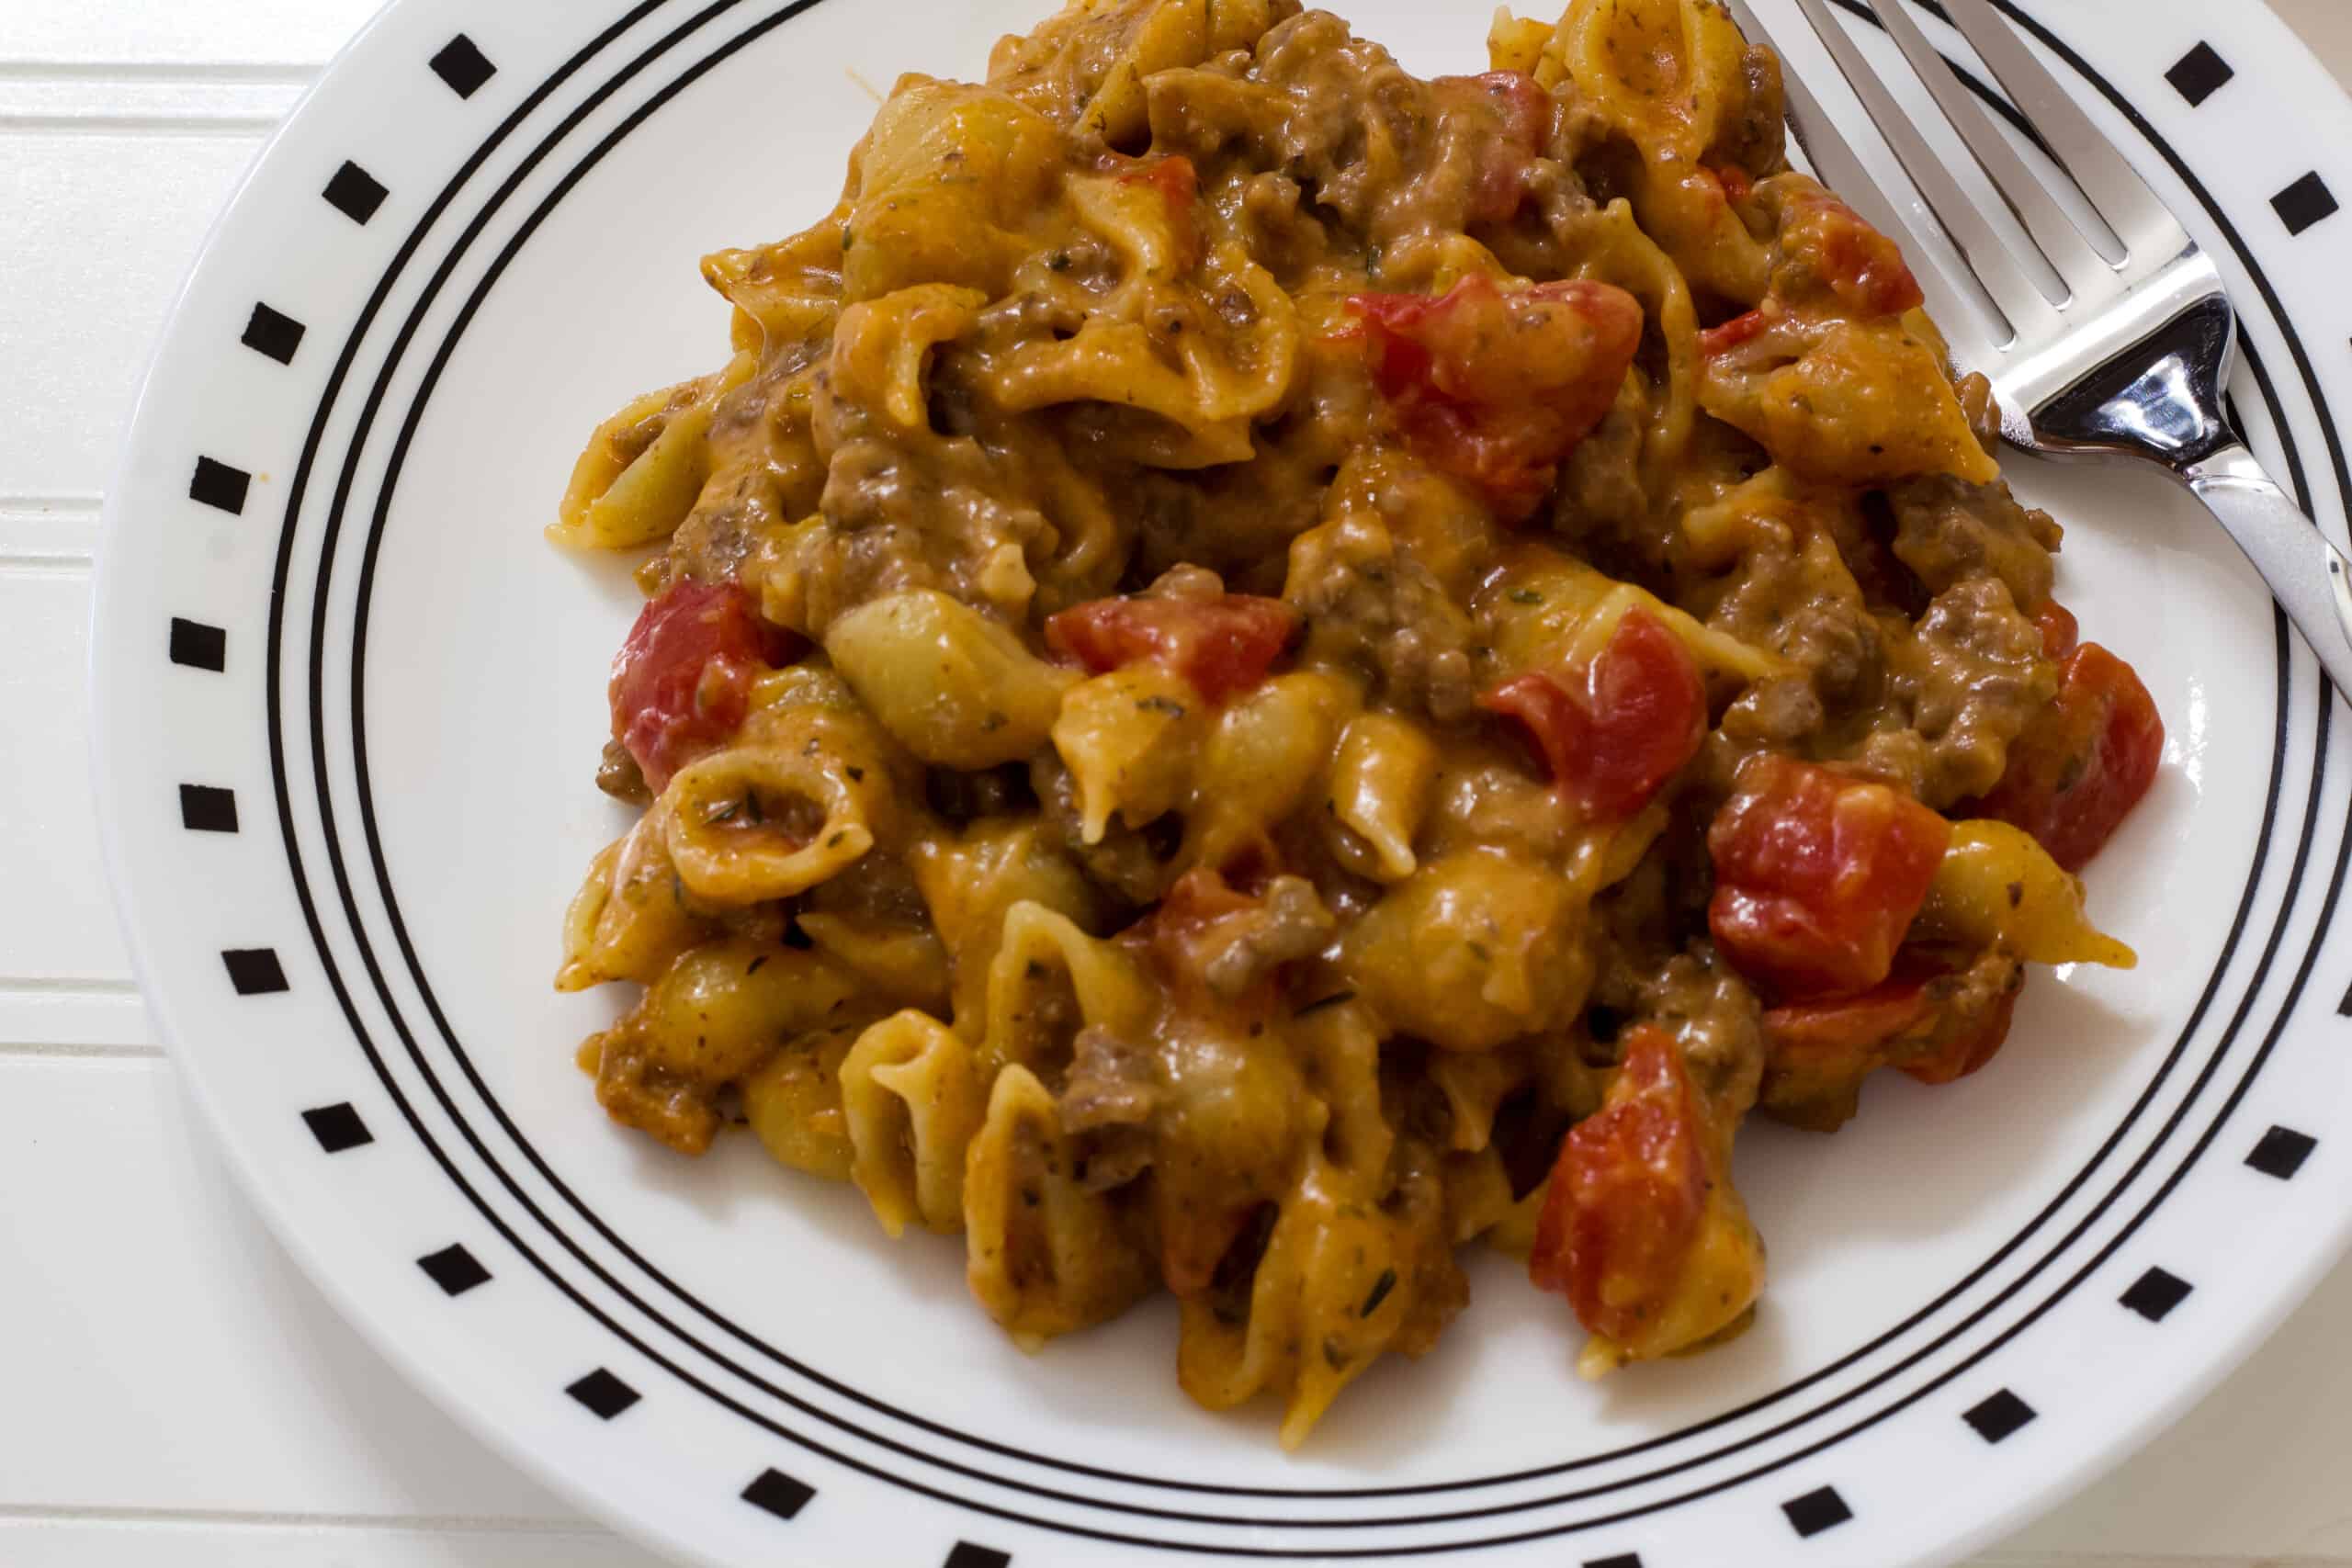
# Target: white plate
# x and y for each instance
(348, 701)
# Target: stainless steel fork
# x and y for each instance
(2126, 358)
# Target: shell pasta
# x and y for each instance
(1257, 669)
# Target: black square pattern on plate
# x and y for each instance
(1630, 1560)
(2305, 203)
(2199, 74)
(198, 646)
(1817, 1511)
(463, 66)
(273, 333)
(1999, 1416)
(454, 1268)
(966, 1555)
(355, 193)
(2156, 1294)
(207, 809)
(255, 971)
(2281, 1153)
(778, 1494)
(337, 1127)
(218, 484)
(605, 1394)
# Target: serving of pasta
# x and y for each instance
(1258, 669)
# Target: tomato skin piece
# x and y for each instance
(1627, 1195)
(2080, 768)
(1730, 334)
(2060, 631)
(681, 682)
(1844, 1033)
(1855, 262)
(1556, 723)
(1817, 876)
(1495, 389)
(1817, 1053)
(1222, 645)
(1612, 736)
(1963, 1052)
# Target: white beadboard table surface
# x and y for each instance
(172, 1390)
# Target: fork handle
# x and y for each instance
(2311, 578)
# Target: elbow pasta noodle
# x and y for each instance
(1047, 1256)
(894, 960)
(1316, 1315)
(642, 474)
(912, 657)
(755, 823)
(1267, 752)
(1234, 655)
(971, 882)
(1131, 738)
(1996, 887)
(1623, 253)
(1381, 781)
(1474, 1087)
(1669, 73)
(794, 1103)
(1546, 606)
(720, 1008)
(882, 347)
(1048, 980)
(1470, 951)
(630, 918)
(911, 1095)
(785, 292)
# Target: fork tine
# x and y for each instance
(1835, 161)
(2021, 300)
(2113, 187)
(1833, 157)
(1837, 166)
(2084, 259)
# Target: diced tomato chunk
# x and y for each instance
(1207, 914)
(1222, 645)
(1627, 1195)
(1495, 389)
(1817, 876)
(1967, 1047)
(2084, 763)
(1200, 900)
(1737, 184)
(1614, 731)
(1817, 1053)
(1844, 1036)
(2060, 632)
(1524, 106)
(1516, 115)
(1854, 261)
(682, 681)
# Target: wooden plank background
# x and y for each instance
(177, 1392)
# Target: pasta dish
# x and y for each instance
(1259, 668)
